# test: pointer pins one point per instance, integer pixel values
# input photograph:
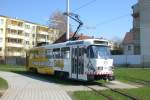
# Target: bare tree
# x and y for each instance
(117, 48)
(58, 21)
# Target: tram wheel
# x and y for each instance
(111, 78)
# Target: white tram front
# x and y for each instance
(81, 60)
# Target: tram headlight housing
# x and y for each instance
(111, 68)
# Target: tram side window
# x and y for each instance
(36, 54)
(32, 54)
(41, 53)
(49, 54)
(65, 53)
(81, 60)
(56, 53)
(90, 53)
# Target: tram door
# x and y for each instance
(77, 62)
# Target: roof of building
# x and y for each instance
(15, 18)
(81, 37)
(128, 39)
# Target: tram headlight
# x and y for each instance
(111, 68)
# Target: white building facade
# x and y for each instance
(17, 36)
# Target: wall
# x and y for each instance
(127, 59)
(128, 51)
(145, 26)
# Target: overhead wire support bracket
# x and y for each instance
(75, 17)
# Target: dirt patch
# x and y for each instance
(1, 93)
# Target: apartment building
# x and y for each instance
(141, 28)
(145, 26)
(136, 29)
(17, 36)
(140, 33)
(131, 42)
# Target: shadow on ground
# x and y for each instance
(54, 79)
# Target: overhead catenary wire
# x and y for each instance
(117, 18)
(86, 4)
(104, 22)
(109, 21)
(112, 20)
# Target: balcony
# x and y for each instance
(1, 26)
(9, 53)
(15, 36)
(1, 35)
(136, 8)
(18, 45)
(15, 27)
(136, 15)
(41, 40)
(1, 53)
(1, 44)
(43, 33)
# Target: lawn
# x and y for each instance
(132, 74)
(90, 95)
(129, 75)
(3, 84)
(12, 68)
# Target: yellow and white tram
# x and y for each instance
(81, 60)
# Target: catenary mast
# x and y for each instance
(68, 31)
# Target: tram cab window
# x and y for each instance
(96, 51)
(56, 53)
(90, 53)
(65, 53)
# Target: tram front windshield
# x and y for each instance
(96, 51)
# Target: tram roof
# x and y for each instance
(77, 42)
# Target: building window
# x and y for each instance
(20, 24)
(129, 48)
(0, 49)
(1, 21)
(19, 32)
(13, 40)
(27, 34)
(33, 28)
(27, 26)
(27, 42)
(33, 43)
(33, 35)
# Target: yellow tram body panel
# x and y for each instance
(42, 65)
(45, 70)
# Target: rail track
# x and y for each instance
(139, 81)
(108, 97)
(101, 93)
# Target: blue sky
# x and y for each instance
(105, 18)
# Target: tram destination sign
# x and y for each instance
(75, 43)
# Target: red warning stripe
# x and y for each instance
(99, 73)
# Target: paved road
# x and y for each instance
(26, 88)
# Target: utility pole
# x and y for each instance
(68, 31)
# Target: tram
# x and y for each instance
(85, 60)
